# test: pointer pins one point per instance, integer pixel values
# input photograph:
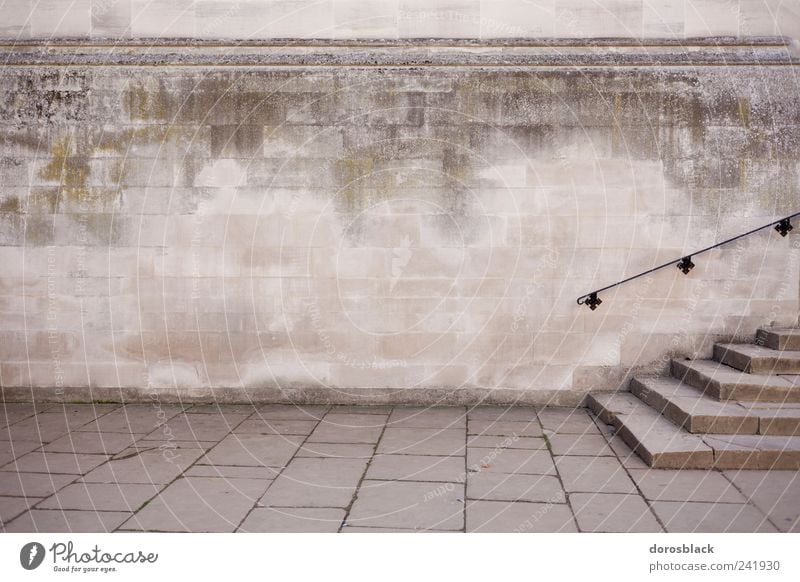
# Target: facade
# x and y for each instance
(401, 203)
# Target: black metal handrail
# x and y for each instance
(685, 264)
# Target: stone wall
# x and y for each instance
(392, 224)
(260, 19)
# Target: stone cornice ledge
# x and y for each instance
(761, 51)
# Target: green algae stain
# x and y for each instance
(744, 110)
(10, 204)
(353, 174)
(146, 104)
(66, 168)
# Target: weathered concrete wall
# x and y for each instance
(260, 19)
(404, 233)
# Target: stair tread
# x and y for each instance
(728, 375)
(756, 351)
(758, 359)
(695, 402)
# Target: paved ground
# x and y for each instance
(283, 468)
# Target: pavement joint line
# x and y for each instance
(607, 438)
(282, 469)
(363, 475)
(164, 488)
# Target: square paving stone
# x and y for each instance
(336, 433)
(504, 428)
(134, 418)
(293, 520)
(568, 421)
(67, 521)
(423, 441)
(353, 420)
(226, 472)
(265, 426)
(42, 428)
(520, 461)
(686, 485)
(159, 467)
(580, 444)
(223, 409)
(55, 423)
(10, 450)
(196, 427)
(594, 475)
(11, 412)
(612, 512)
(376, 530)
(69, 463)
(100, 497)
(253, 450)
(682, 517)
(510, 413)
(356, 409)
(11, 507)
(290, 412)
(416, 468)
(506, 442)
(503, 487)
(199, 504)
(518, 517)
(336, 450)
(408, 505)
(316, 483)
(32, 484)
(98, 443)
(776, 493)
(423, 417)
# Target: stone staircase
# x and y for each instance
(740, 410)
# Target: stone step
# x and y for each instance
(726, 383)
(699, 413)
(755, 359)
(779, 339)
(664, 445)
(660, 443)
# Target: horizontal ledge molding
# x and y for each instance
(429, 53)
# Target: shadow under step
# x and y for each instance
(698, 413)
(757, 359)
(726, 383)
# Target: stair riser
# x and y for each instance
(776, 365)
(777, 341)
(758, 460)
(742, 392)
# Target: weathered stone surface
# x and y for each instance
(259, 233)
